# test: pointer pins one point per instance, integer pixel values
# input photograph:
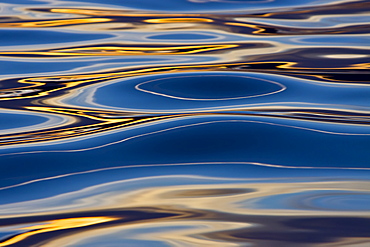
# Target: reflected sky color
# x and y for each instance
(184, 123)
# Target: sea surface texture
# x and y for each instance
(181, 123)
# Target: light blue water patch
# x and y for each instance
(13, 37)
(205, 5)
(29, 67)
(85, 64)
(174, 37)
(10, 121)
(28, 2)
(345, 200)
(320, 40)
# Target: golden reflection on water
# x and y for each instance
(69, 81)
(125, 51)
(104, 124)
(200, 214)
(173, 20)
(55, 225)
(188, 233)
(57, 23)
(242, 198)
(110, 12)
(185, 21)
(257, 28)
(315, 57)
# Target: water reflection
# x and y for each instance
(197, 210)
(184, 123)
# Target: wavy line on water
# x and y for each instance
(181, 164)
(294, 12)
(136, 20)
(55, 225)
(44, 85)
(116, 50)
(184, 126)
(134, 119)
(137, 87)
(178, 127)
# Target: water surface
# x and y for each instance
(184, 123)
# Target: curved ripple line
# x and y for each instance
(184, 126)
(137, 87)
(180, 164)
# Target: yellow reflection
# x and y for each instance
(110, 12)
(361, 66)
(68, 81)
(54, 23)
(293, 66)
(95, 115)
(172, 20)
(287, 65)
(55, 225)
(79, 11)
(258, 28)
(125, 51)
(104, 124)
(328, 78)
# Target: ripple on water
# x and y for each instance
(194, 91)
(209, 86)
(13, 37)
(184, 123)
(181, 91)
(190, 205)
(202, 5)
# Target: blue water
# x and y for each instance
(184, 123)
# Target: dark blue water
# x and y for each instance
(185, 123)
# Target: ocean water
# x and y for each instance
(216, 123)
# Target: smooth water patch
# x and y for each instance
(21, 121)
(210, 87)
(14, 37)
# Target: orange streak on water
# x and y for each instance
(56, 225)
(125, 51)
(174, 20)
(54, 23)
